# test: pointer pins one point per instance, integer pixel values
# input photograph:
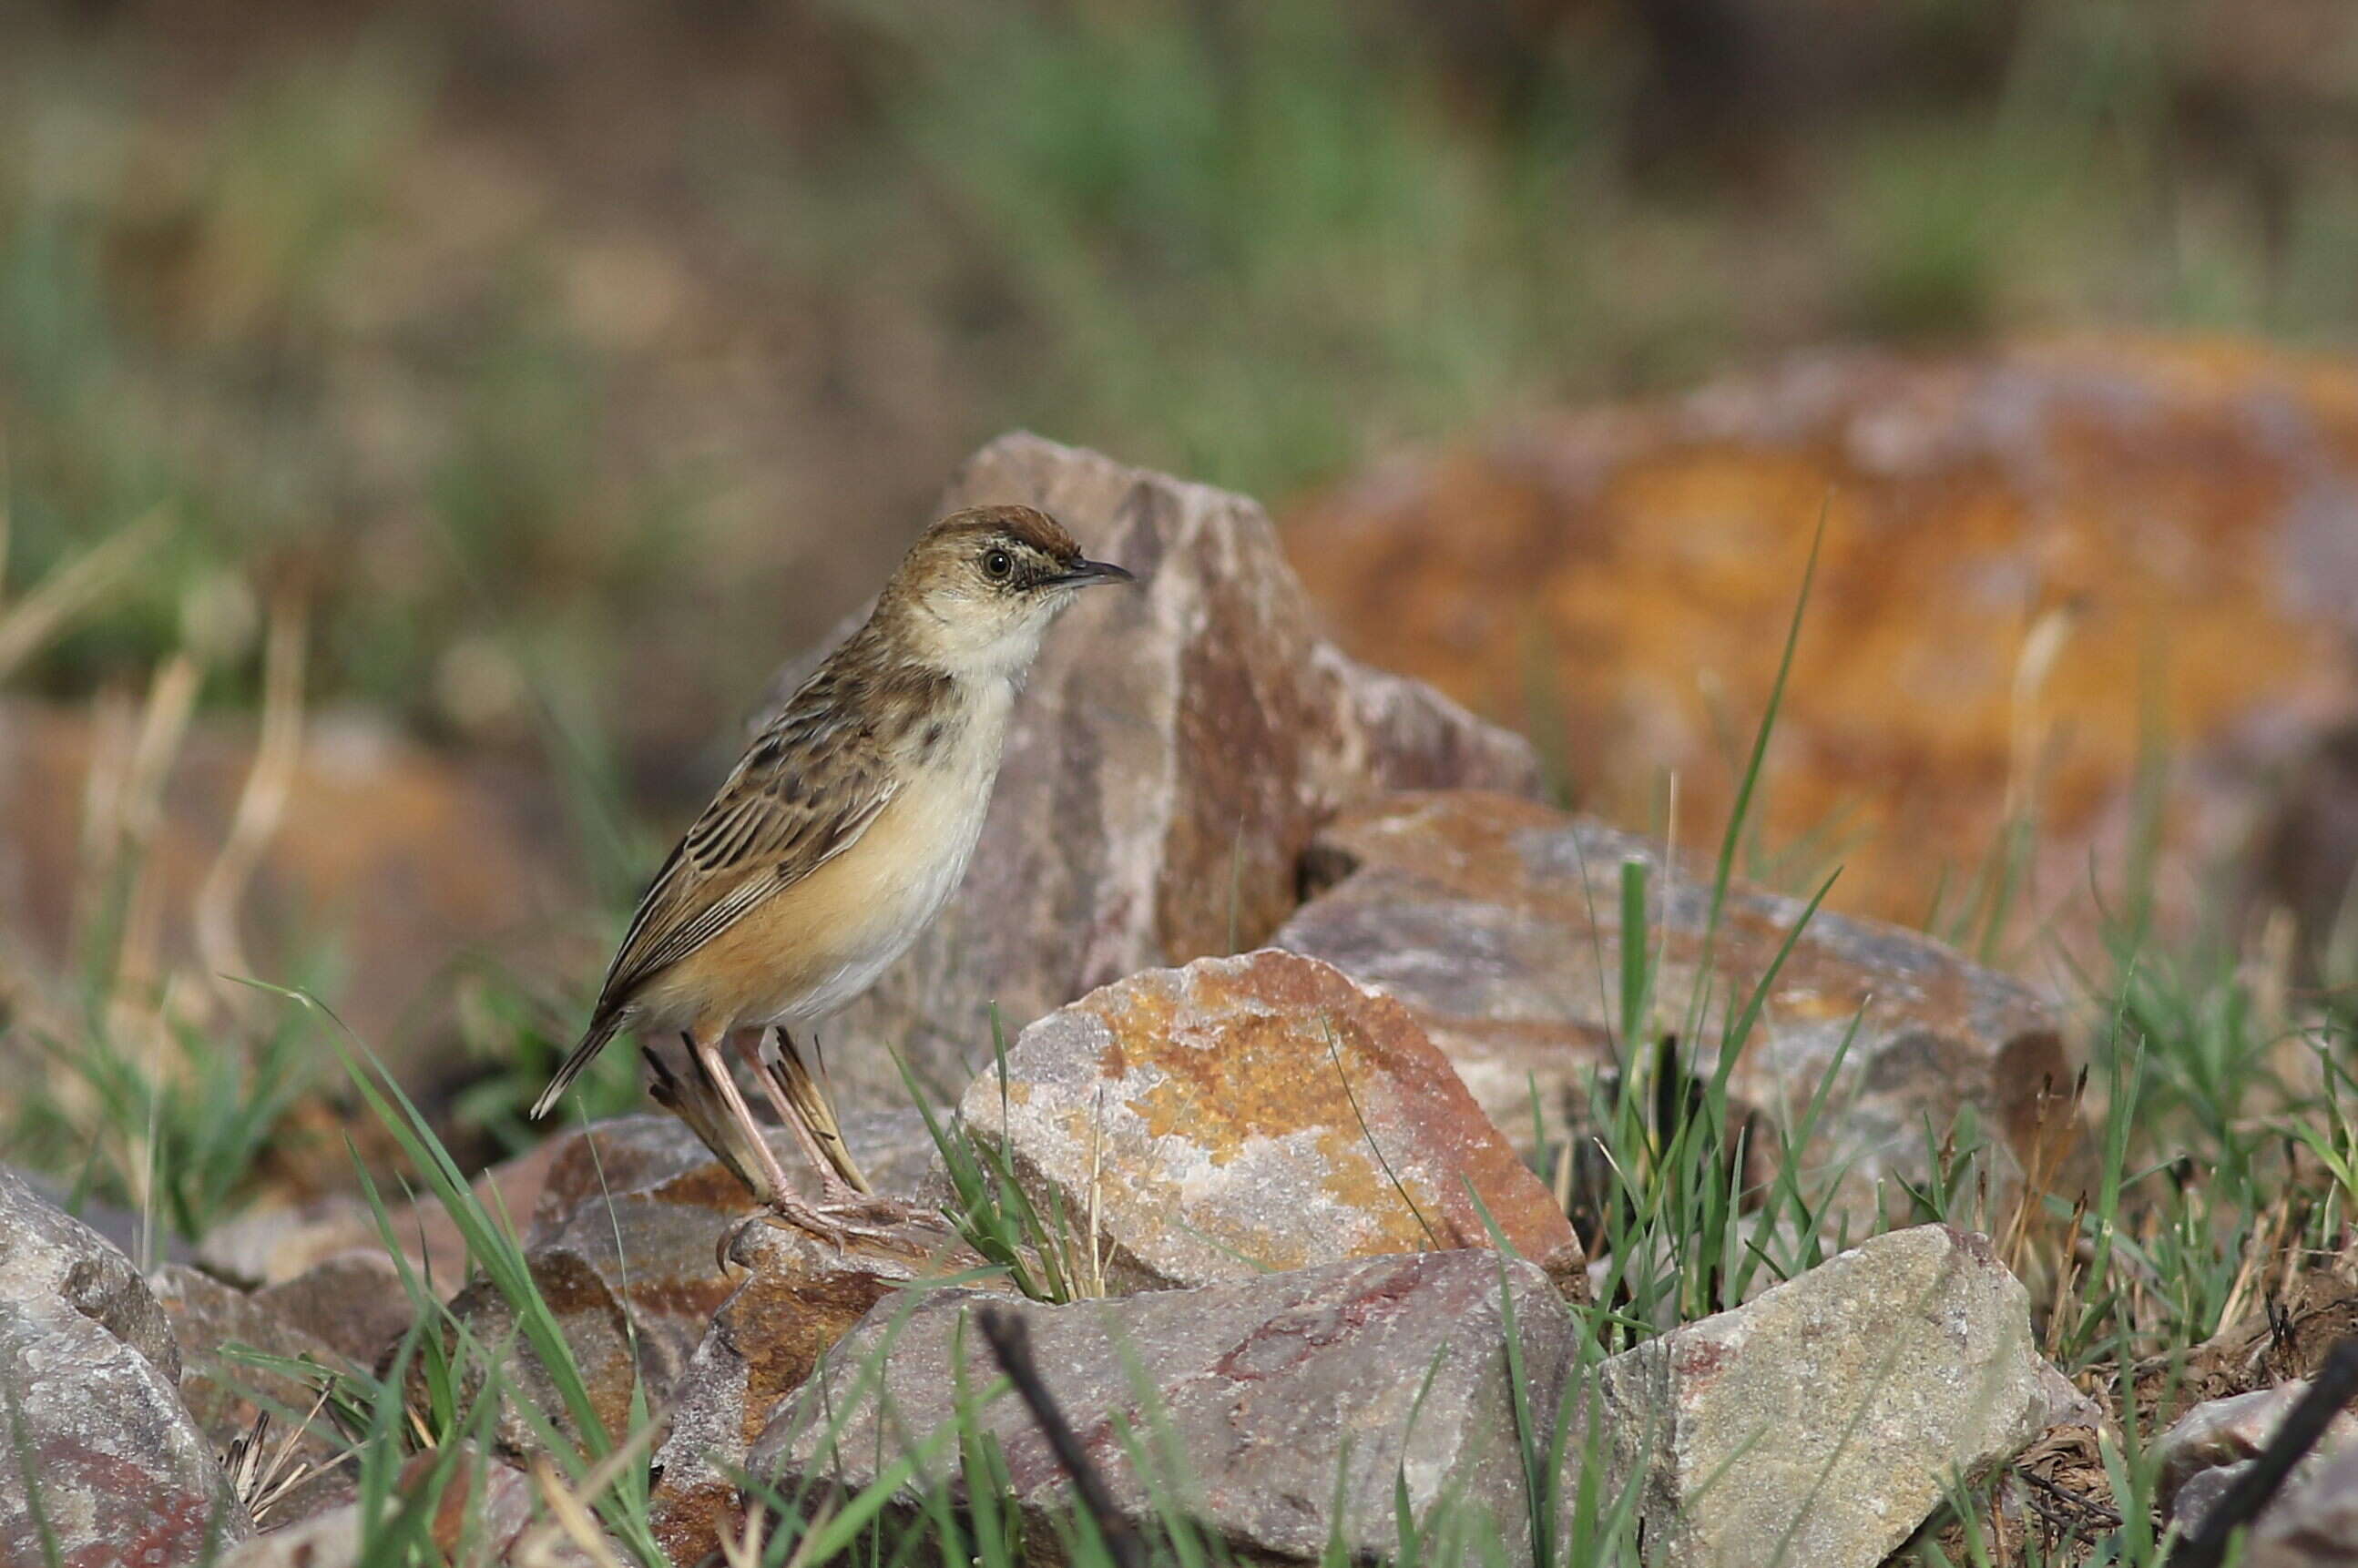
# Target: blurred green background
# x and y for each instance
(579, 361)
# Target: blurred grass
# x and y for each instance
(530, 345)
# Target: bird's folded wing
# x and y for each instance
(801, 796)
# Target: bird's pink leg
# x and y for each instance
(788, 1204)
(838, 1196)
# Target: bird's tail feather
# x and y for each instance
(809, 1098)
(602, 1028)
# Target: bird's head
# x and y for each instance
(980, 588)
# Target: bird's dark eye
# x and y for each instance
(997, 565)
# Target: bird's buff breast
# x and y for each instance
(820, 941)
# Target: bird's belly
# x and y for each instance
(821, 942)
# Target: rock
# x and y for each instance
(2036, 558)
(2314, 1523)
(225, 1394)
(2203, 1453)
(1255, 1113)
(2304, 855)
(2066, 1406)
(52, 1260)
(102, 1464)
(409, 858)
(2062, 1475)
(115, 1467)
(356, 1303)
(800, 1297)
(272, 1246)
(622, 1243)
(274, 1242)
(896, 1152)
(1497, 922)
(625, 1242)
(329, 1538)
(1821, 1422)
(1291, 1396)
(1174, 748)
(597, 1333)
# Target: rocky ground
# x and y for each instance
(1381, 1162)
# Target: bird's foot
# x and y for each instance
(836, 1218)
(839, 1197)
(842, 1214)
(836, 1228)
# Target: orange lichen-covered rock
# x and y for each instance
(2039, 565)
(1497, 922)
(624, 1241)
(799, 1296)
(1254, 1113)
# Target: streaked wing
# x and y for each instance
(799, 797)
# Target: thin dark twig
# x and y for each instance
(1011, 1341)
(2303, 1426)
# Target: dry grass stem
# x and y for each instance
(571, 1518)
(261, 806)
(163, 728)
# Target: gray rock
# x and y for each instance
(272, 1246)
(49, 1258)
(2192, 1499)
(101, 1455)
(1819, 1423)
(1255, 1113)
(2066, 1406)
(2314, 1523)
(1298, 1400)
(356, 1302)
(2201, 1455)
(271, 1243)
(896, 1152)
(1173, 751)
(329, 1539)
(623, 1243)
(1497, 922)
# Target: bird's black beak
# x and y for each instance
(1083, 573)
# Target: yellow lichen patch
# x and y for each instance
(1354, 1180)
(1266, 1074)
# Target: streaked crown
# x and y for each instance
(998, 553)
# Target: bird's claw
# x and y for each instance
(834, 1222)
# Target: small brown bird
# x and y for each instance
(836, 840)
